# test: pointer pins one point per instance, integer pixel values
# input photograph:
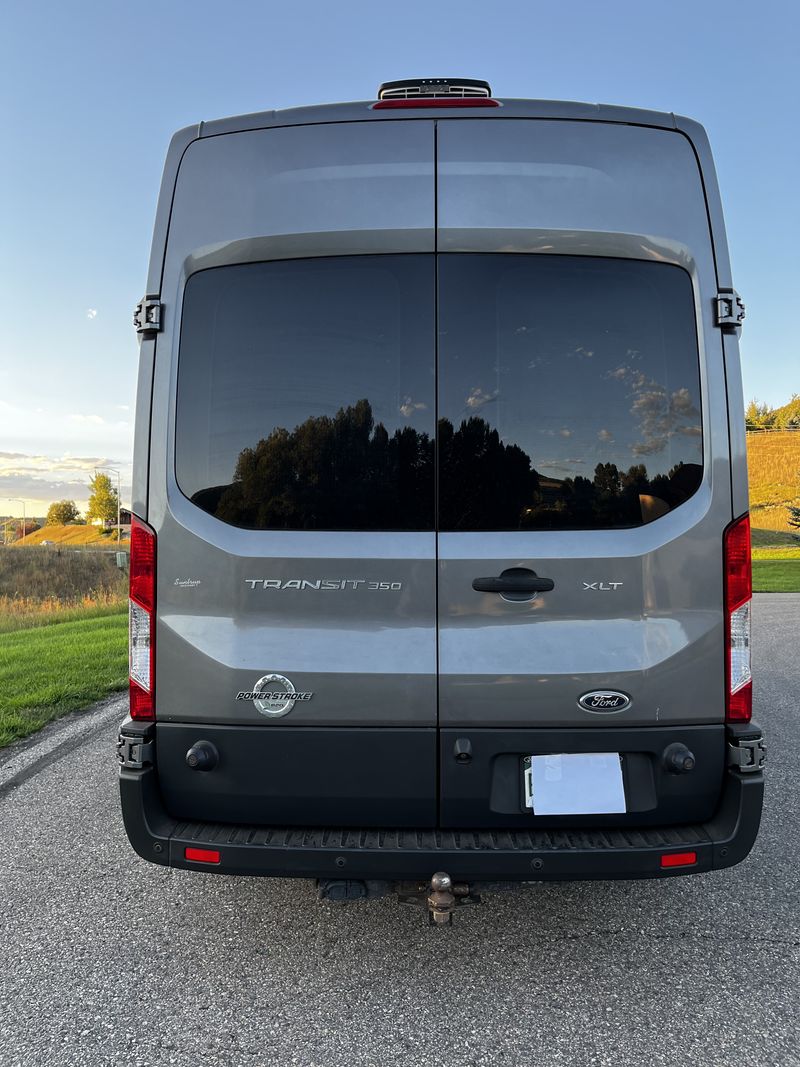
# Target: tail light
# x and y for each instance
(678, 859)
(142, 606)
(738, 598)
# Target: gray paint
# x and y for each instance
(362, 111)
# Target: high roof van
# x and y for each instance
(440, 557)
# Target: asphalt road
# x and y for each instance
(109, 960)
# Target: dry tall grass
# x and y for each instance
(41, 585)
(73, 535)
(774, 469)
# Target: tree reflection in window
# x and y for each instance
(349, 473)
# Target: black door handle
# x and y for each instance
(513, 583)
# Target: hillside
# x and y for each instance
(773, 459)
(789, 414)
(71, 535)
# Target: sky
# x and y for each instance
(90, 94)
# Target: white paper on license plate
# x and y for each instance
(585, 783)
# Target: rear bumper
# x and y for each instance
(411, 855)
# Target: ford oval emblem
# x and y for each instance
(604, 701)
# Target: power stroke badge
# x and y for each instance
(274, 695)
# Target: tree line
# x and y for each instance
(349, 473)
(760, 416)
(102, 505)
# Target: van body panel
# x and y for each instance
(375, 777)
(698, 138)
(740, 490)
(363, 111)
(654, 797)
(570, 176)
(368, 656)
(306, 180)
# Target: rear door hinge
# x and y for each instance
(134, 752)
(747, 754)
(147, 317)
(728, 309)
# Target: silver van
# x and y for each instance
(440, 557)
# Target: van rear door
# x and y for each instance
(292, 478)
(582, 446)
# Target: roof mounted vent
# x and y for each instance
(425, 88)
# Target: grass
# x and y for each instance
(72, 535)
(775, 538)
(60, 574)
(776, 576)
(776, 562)
(25, 613)
(773, 461)
(49, 671)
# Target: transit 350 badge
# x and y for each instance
(274, 695)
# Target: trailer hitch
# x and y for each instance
(441, 898)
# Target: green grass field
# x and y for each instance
(776, 561)
(776, 575)
(50, 670)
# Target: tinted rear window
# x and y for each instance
(569, 392)
(306, 394)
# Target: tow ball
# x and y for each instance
(441, 898)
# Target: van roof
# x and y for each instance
(361, 111)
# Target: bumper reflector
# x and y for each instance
(678, 859)
(201, 855)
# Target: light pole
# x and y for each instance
(114, 470)
(19, 500)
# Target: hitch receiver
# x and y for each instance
(441, 897)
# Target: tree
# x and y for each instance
(61, 513)
(102, 499)
(759, 416)
(23, 529)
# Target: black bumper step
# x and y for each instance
(370, 840)
(467, 855)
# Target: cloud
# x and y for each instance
(91, 313)
(41, 479)
(409, 406)
(605, 435)
(562, 466)
(565, 432)
(681, 403)
(478, 397)
(659, 414)
(95, 420)
(22, 462)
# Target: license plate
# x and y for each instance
(575, 783)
